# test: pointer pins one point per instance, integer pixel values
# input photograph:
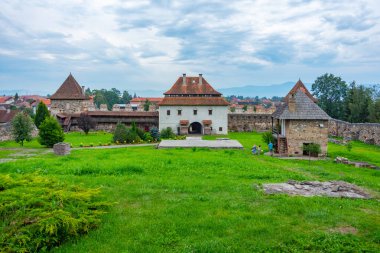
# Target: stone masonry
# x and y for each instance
(6, 132)
(314, 131)
(248, 122)
(366, 132)
(71, 106)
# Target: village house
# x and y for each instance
(193, 106)
(70, 98)
(299, 122)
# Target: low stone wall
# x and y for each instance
(248, 122)
(366, 132)
(6, 132)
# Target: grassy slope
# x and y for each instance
(206, 200)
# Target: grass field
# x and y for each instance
(201, 200)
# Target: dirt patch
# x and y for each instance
(339, 189)
(345, 230)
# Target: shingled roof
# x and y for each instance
(305, 108)
(191, 86)
(70, 89)
(300, 86)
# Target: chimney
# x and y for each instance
(83, 90)
(200, 79)
(183, 79)
(292, 103)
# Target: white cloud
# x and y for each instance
(164, 39)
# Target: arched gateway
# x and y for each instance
(195, 128)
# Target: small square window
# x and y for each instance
(209, 112)
(168, 112)
(220, 129)
(195, 112)
(179, 112)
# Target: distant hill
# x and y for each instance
(261, 90)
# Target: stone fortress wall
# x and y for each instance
(248, 122)
(365, 132)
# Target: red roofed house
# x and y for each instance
(70, 98)
(193, 106)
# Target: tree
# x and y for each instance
(374, 111)
(245, 108)
(29, 111)
(22, 127)
(357, 103)
(134, 95)
(267, 137)
(85, 122)
(41, 114)
(147, 104)
(312, 149)
(50, 132)
(125, 98)
(331, 93)
(16, 97)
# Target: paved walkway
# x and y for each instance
(197, 142)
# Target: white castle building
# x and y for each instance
(193, 106)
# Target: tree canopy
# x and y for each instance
(22, 127)
(42, 113)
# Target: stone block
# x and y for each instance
(61, 148)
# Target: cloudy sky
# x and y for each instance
(146, 44)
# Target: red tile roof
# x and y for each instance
(70, 89)
(207, 122)
(4, 99)
(300, 86)
(183, 122)
(140, 100)
(119, 114)
(191, 87)
(6, 117)
(217, 101)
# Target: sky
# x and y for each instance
(147, 45)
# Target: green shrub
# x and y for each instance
(313, 149)
(132, 136)
(50, 132)
(39, 213)
(268, 137)
(137, 130)
(155, 133)
(147, 137)
(120, 134)
(349, 146)
(167, 133)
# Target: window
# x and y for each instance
(168, 112)
(195, 112)
(209, 112)
(220, 129)
(179, 112)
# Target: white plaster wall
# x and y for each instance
(219, 117)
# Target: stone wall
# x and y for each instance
(6, 132)
(70, 106)
(299, 132)
(248, 122)
(366, 132)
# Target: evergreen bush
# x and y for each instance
(155, 133)
(50, 132)
(167, 133)
(147, 137)
(42, 113)
(39, 213)
(120, 134)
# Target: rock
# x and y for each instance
(61, 148)
(315, 188)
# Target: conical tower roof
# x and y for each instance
(70, 89)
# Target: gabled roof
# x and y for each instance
(305, 108)
(300, 86)
(139, 100)
(191, 87)
(70, 89)
(196, 101)
(7, 116)
(5, 99)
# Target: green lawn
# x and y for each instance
(74, 138)
(201, 200)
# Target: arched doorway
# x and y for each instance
(195, 128)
